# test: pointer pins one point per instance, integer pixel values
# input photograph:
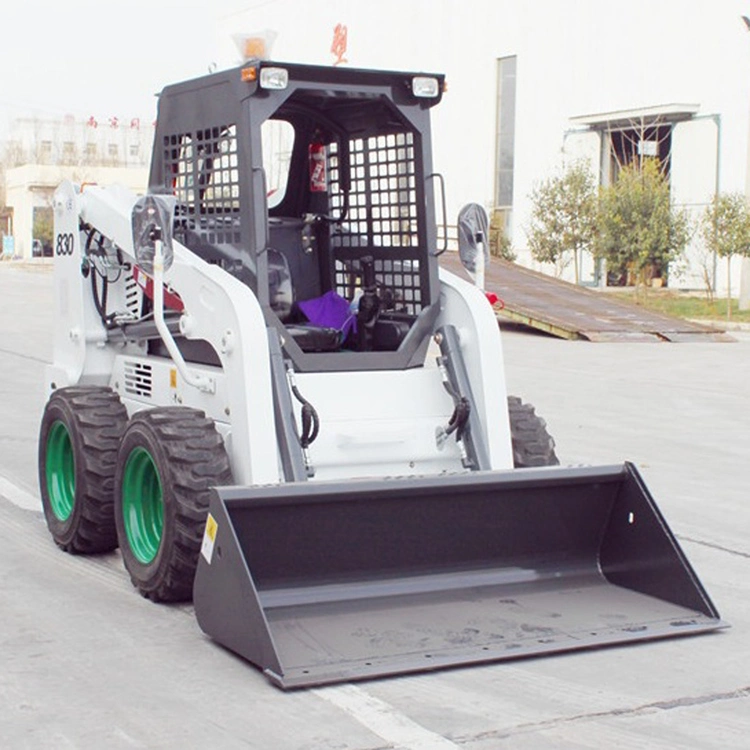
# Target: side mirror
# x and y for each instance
(473, 237)
(152, 219)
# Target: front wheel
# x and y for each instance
(169, 458)
(532, 444)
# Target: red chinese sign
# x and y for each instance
(338, 47)
(114, 122)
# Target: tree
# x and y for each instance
(725, 228)
(563, 217)
(639, 230)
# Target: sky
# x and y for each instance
(89, 58)
(105, 59)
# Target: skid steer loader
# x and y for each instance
(267, 393)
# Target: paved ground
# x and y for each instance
(86, 663)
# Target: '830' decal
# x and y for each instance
(64, 244)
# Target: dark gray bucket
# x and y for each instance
(319, 582)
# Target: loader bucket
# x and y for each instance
(318, 582)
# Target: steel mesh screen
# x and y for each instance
(381, 218)
(202, 170)
(399, 282)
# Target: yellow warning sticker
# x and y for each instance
(172, 378)
(209, 538)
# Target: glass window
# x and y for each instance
(278, 142)
(505, 131)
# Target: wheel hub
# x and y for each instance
(61, 471)
(142, 505)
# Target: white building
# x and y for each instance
(533, 83)
(41, 153)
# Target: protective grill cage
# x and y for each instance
(382, 219)
(202, 170)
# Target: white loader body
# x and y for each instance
(372, 423)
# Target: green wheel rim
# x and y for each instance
(60, 470)
(142, 505)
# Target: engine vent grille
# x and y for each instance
(138, 379)
(132, 296)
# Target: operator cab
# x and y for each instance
(314, 188)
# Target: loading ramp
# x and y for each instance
(574, 312)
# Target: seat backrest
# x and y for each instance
(280, 287)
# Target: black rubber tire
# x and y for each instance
(532, 444)
(188, 455)
(85, 424)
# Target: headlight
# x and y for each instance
(425, 87)
(274, 78)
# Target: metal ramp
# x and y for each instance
(574, 312)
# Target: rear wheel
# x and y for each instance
(169, 458)
(532, 443)
(79, 435)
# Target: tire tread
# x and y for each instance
(96, 419)
(532, 443)
(196, 461)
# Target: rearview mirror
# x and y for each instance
(152, 218)
(473, 237)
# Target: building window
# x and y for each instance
(15, 155)
(91, 152)
(68, 152)
(45, 152)
(134, 150)
(112, 150)
(505, 132)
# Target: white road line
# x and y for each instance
(383, 719)
(19, 497)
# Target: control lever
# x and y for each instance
(369, 304)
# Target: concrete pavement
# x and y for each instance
(87, 663)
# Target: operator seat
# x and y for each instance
(318, 324)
